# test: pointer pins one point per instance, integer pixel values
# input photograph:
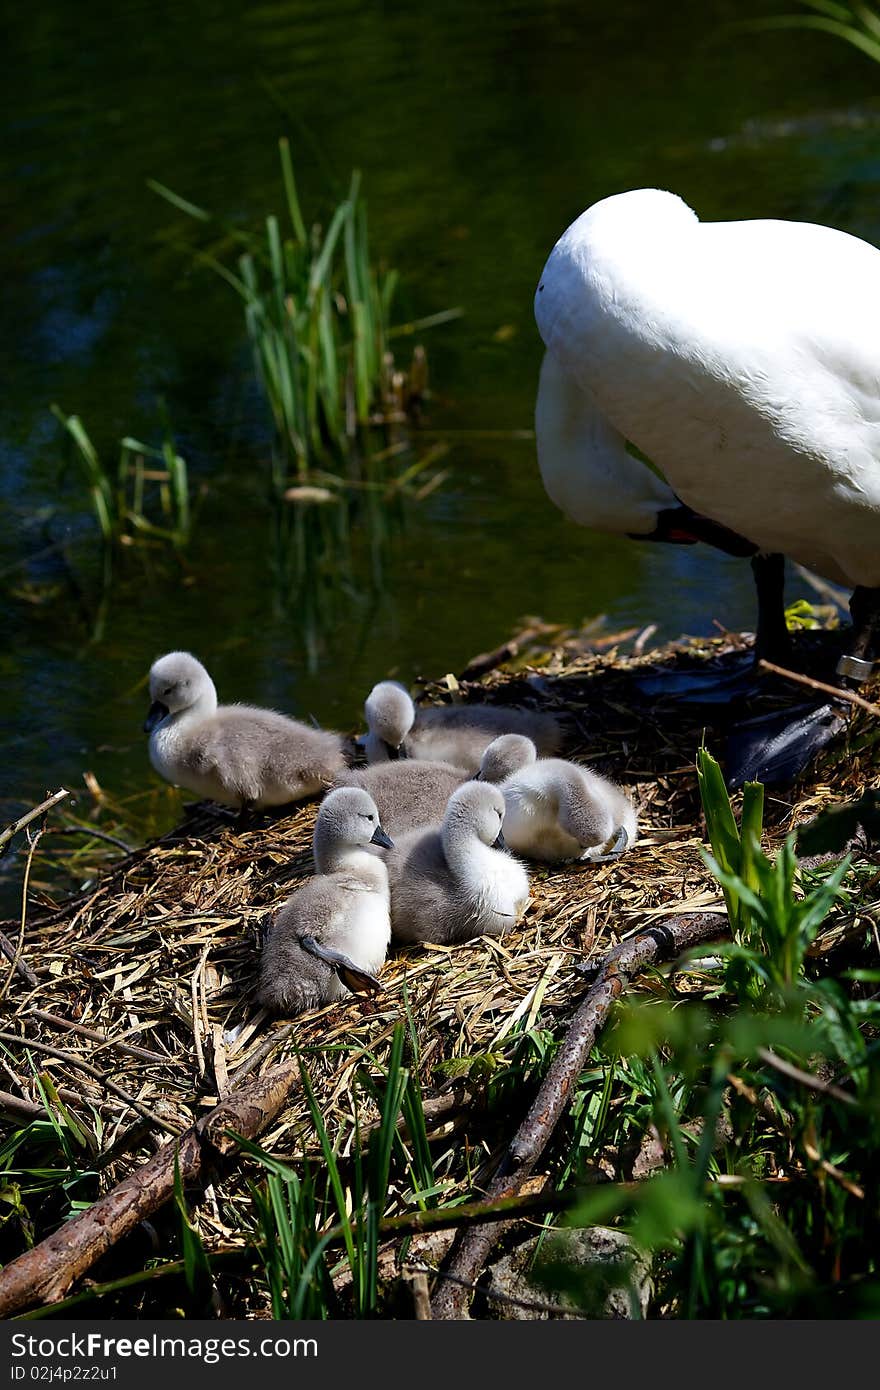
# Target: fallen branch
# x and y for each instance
(481, 665)
(45, 1273)
(469, 1253)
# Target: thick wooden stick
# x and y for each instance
(44, 1274)
(470, 1251)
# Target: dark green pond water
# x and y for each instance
(481, 130)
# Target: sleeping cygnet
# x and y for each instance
(414, 792)
(236, 754)
(556, 810)
(456, 734)
(455, 882)
(331, 936)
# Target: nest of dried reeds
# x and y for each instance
(137, 997)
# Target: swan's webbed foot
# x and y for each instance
(775, 748)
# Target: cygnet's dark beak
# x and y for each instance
(156, 714)
(393, 753)
(380, 838)
(500, 843)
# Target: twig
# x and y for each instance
(44, 806)
(28, 1110)
(469, 1254)
(32, 845)
(130, 1049)
(490, 661)
(804, 1078)
(21, 1109)
(836, 691)
(45, 1273)
(94, 835)
(21, 967)
(78, 1063)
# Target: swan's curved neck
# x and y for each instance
(333, 856)
(585, 465)
(465, 854)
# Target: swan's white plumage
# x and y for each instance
(742, 358)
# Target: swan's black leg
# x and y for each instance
(858, 662)
(772, 641)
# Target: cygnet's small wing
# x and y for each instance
(356, 980)
(291, 978)
(253, 752)
(603, 856)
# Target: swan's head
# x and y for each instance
(598, 243)
(177, 682)
(390, 714)
(505, 755)
(349, 819)
(476, 809)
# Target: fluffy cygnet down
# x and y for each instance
(415, 792)
(235, 754)
(556, 810)
(457, 734)
(455, 882)
(331, 936)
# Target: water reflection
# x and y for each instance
(481, 132)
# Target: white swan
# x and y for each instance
(457, 734)
(557, 810)
(332, 935)
(739, 357)
(457, 882)
(234, 754)
(415, 792)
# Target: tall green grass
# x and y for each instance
(317, 310)
(313, 1224)
(148, 495)
(855, 23)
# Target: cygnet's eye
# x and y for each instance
(363, 815)
(168, 690)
